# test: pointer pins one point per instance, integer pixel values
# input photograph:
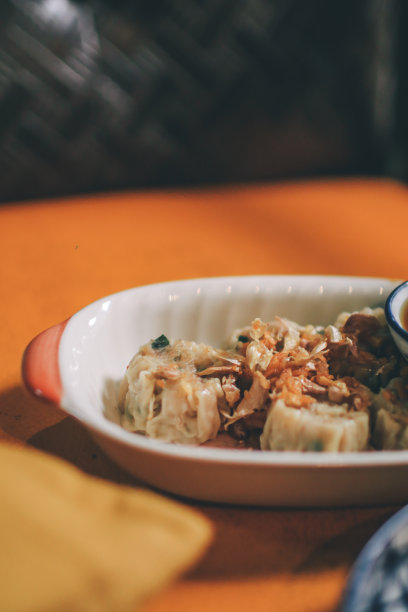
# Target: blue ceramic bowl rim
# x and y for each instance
(389, 314)
(363, 566)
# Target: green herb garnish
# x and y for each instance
(316, 446)
(160, 342)
(243, 339)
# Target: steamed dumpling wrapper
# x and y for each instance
(71, 542)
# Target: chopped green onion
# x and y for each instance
(316, 446)
(160, 342)
(243, 339)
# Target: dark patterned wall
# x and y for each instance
(106, 95)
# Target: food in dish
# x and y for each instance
(404, 316)
(275, 385)
(179, 391)
(391, 409)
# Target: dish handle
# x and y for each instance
(40, 368)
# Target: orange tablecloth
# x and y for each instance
(57, 256)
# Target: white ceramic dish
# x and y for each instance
(77, 364)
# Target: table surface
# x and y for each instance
(59, 255)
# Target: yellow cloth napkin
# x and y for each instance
(70, 542)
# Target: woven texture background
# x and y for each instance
(107, 95)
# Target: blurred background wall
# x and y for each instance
(100, 95)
